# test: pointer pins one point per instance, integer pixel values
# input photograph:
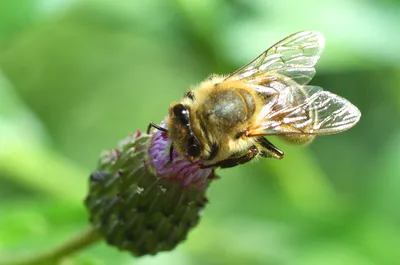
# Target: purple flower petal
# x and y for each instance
(180, 169)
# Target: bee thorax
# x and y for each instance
(229, 107)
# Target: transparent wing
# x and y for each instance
(294, 57)
(305, 110)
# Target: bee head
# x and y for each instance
(179, 130)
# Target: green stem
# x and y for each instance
(52, 256)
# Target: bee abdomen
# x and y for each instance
(230, 107)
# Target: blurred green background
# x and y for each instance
(77, 76)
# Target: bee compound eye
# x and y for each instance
(179, 110)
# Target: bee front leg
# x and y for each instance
(171, 158)
(235, 160)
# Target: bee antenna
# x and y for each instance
(190, 95)
(153, 125)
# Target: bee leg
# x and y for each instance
(171, 158)
(152, 124)
(235, 160)
(268, 149)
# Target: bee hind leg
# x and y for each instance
(235, 160)
(268, 149)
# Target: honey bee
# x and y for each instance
(224, 120)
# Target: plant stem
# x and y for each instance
(52, 256)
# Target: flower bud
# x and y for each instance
(141, 203)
